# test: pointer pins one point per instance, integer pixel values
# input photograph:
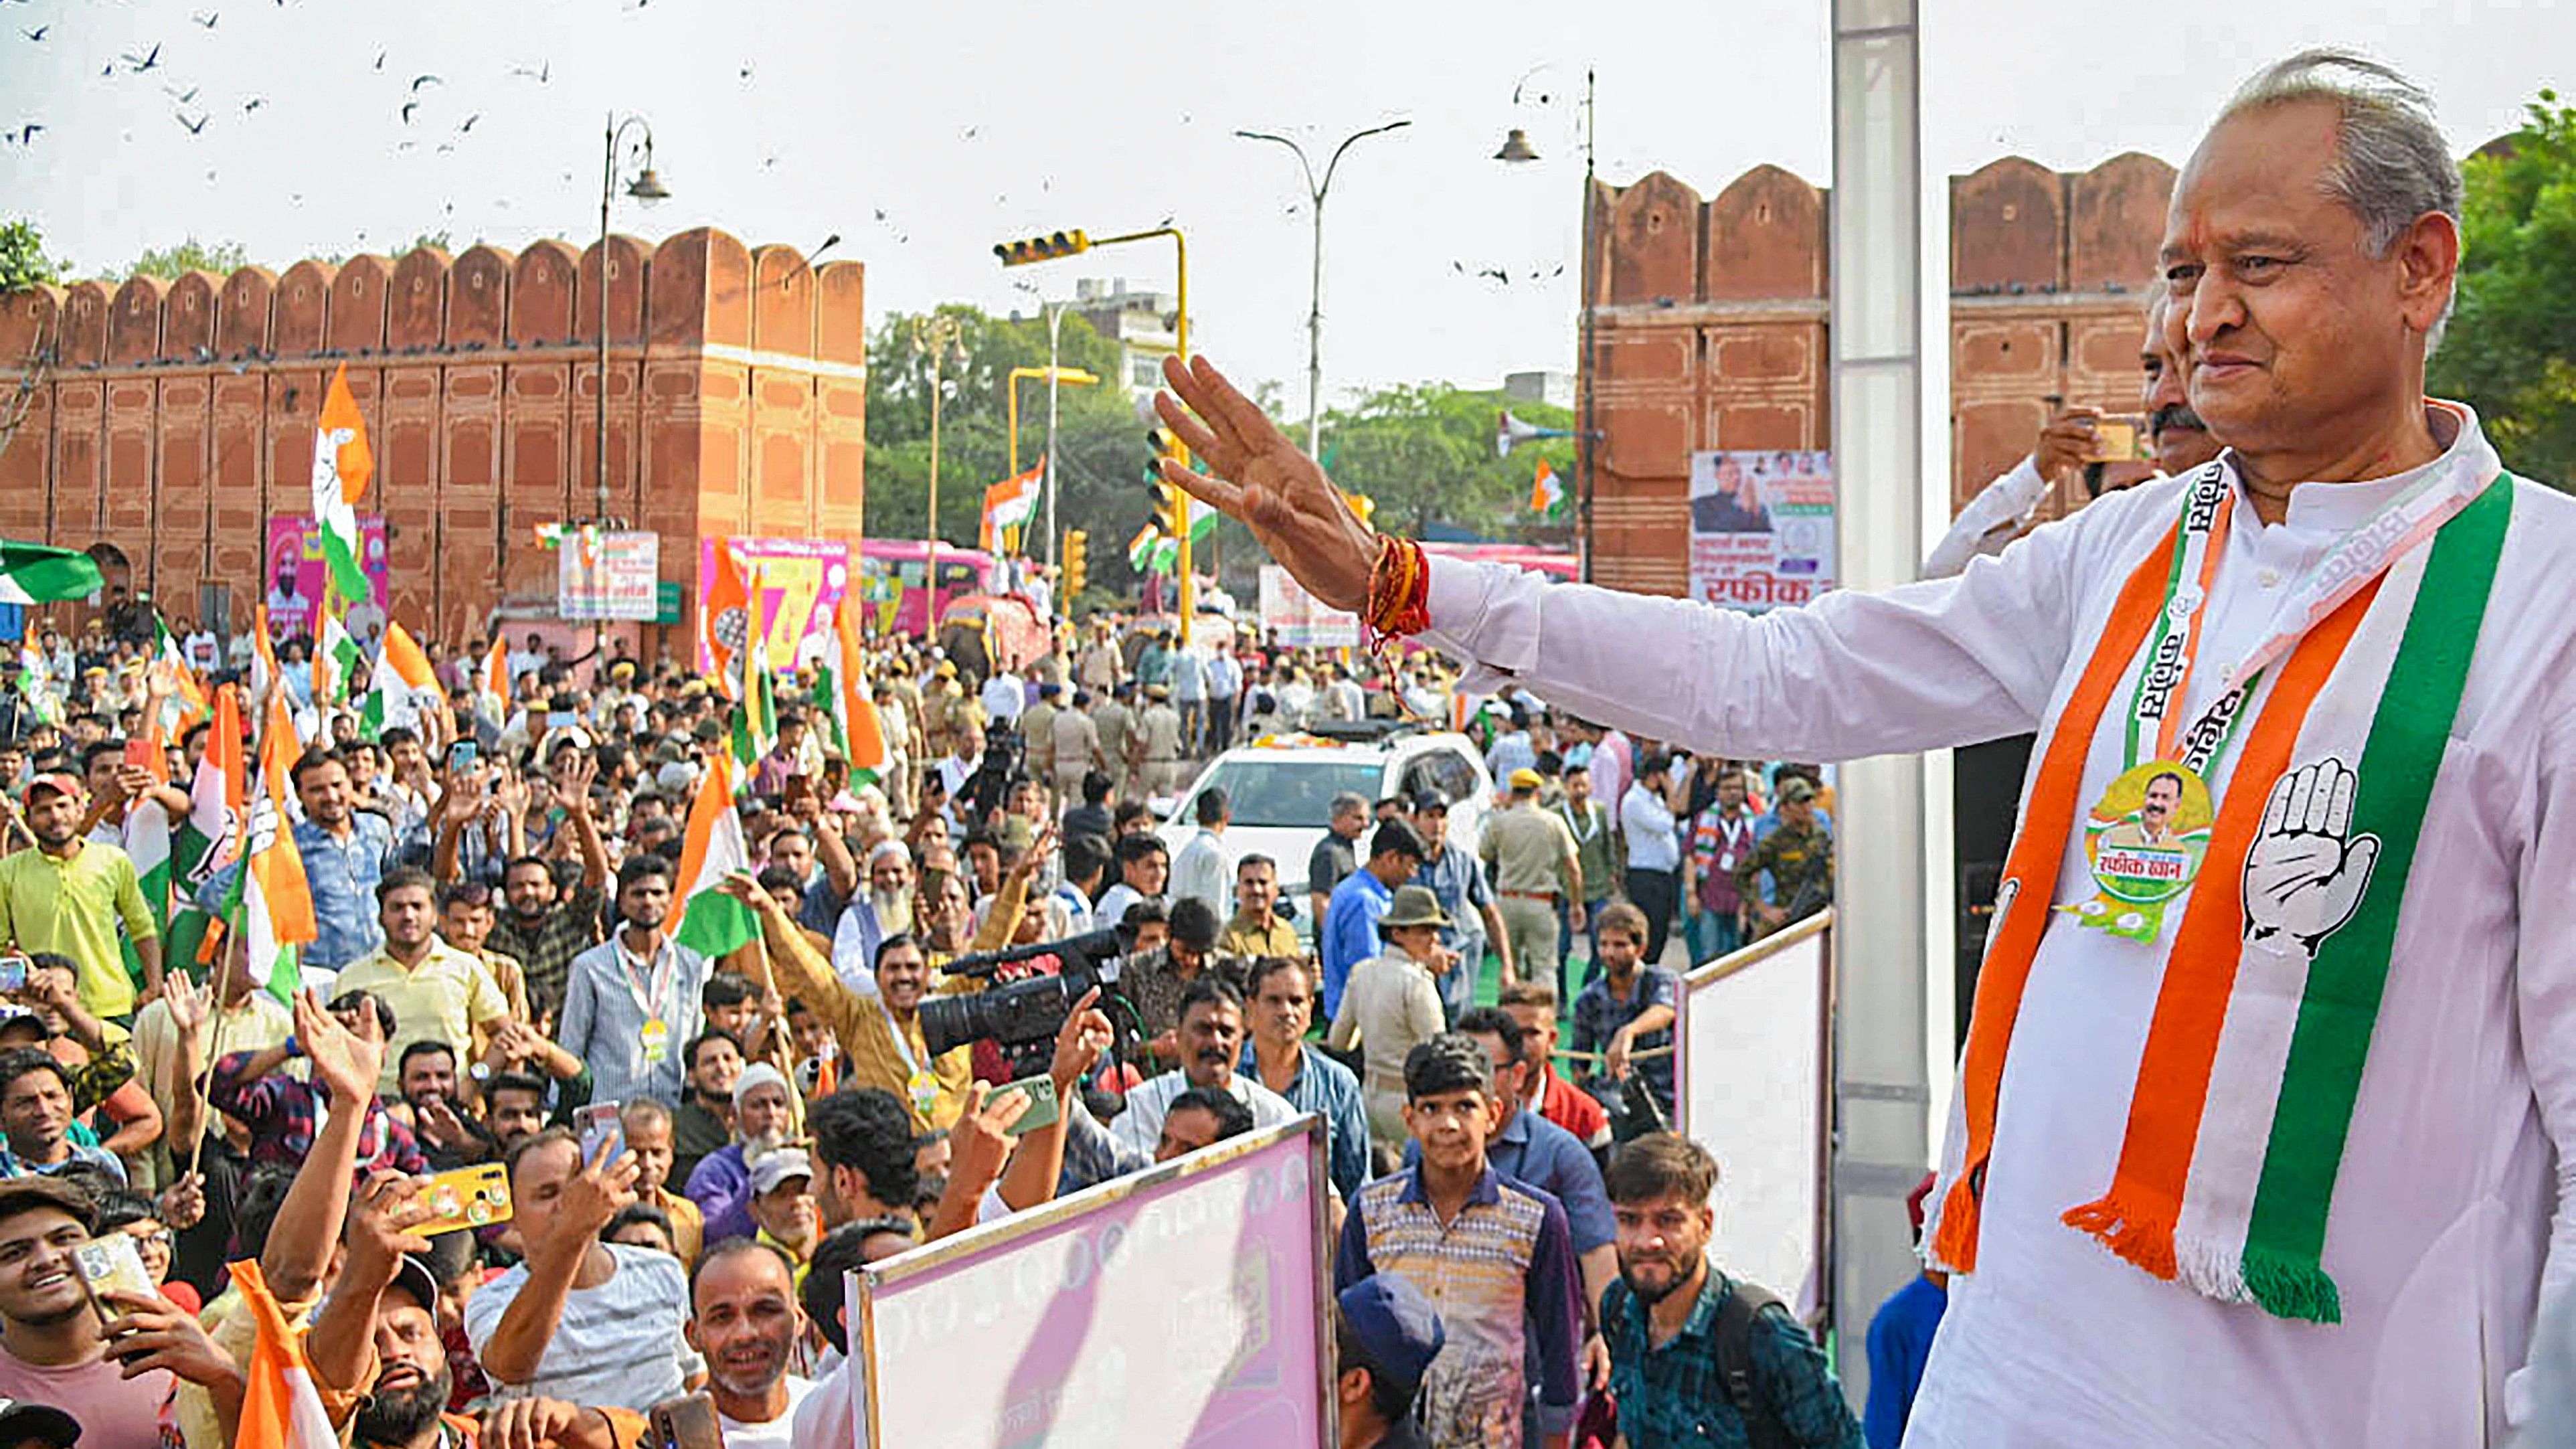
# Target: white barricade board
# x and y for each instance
(1185, 1306)
(1750, 1087)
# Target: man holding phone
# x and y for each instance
(69, 895)
(58, 1346)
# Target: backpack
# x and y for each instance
(1734, 1334)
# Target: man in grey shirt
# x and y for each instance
(632, 1000)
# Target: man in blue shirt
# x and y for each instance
(1900, 1341)
(1281, 1006)
(1457, 877)
(344, 852)
(1628, 1008)
(1669, 1360)
(1348, 933)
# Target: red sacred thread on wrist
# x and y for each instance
(1399, 601)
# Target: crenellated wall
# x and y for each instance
(173, 418)
(1711, 314)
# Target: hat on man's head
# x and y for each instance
(1396, 1326)
(947, 669)
(416, 1278)
(757, 1074)
(20, 1422)
(782, 1166)
(1794, 788)
(1526, 778)
(59, 782)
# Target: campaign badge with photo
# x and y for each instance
(2145, 840)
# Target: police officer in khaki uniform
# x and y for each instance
(1532, 859)
(1115, 720)
(1158, 744)
(1073, 746)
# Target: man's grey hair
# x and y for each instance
(2391, 165)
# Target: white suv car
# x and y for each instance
(1281, 791)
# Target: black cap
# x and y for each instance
(1396, 1327)
(20, 1422)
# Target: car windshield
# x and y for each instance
(1290, 792)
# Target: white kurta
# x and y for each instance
(2452, 1193)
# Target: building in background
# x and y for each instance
(1711, 318)
(1145, 325)
(1556, 389)
(170, 420)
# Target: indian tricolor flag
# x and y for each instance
(280, 1408)
(336, 662)
(492, 681)
(341, 467)
(208, 839)
(725, 620)
(755, 719)
(711, 922)
(31, 573)
(271, 905)
(844, 687)
(1547, 493)
(402, 687)
(1011, 503)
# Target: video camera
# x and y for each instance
(983, 792)
(1023, 1016)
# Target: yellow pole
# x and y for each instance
(1181, 262)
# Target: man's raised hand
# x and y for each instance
(1261, 478)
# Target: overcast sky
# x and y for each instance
(922, 133)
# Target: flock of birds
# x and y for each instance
(419, 107)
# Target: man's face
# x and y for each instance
(1256, 887)
(2182, 442)
(409, 915)
(986, 862)
(1578, 787)
(890, 875)
(809, 1032)
(1511, 1078)
(152, 1244)
(537, 1185)
(762, 1113)
(1148, 872)
(901, 976)
(647, 901)
(1186, 1130)
(1538, 1033)
(55, 818)
(1350, 822)
(744, 1318)
(1797, 812)
(513, 1117)
(1730, 791)
(1660, 1241)
(2283, 322)
(789, 1212)
(100, 775)
(13, 760)
(412, 1383)
(1433, 827)
(970, 740)
(717, 1068)
(793, 850)
(2164, 795)
(1211, 1043)
(1620, 951)
(464, 925)
(36, 1112)
(1452, 1127)
(429, 1077)
(406, 756)
(324, 791)
(1283, 1008)
(650, 1140)
(531, 890)
(37, 1284)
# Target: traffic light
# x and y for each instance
(1169, 504)
(1077, 562)
(1041, 248)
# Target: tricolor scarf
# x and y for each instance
(2263, 1021)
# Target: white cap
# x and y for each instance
(777, 1167)
(755, 1075)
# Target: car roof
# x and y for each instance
(1308, 746)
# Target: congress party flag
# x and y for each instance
(402, 686)
(492, 681)
(209, 838)
(711, 922)
(341, 467)
(844, 688)
(725, 621)
(755, 719)
(271, 904)
(280, 1408)
(1011, 503)
(1547, 492)
(31, 573)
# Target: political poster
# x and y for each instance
(297, 573)
(1762, 528)
(1185, 1307)
(800, 582)
(608, 575)
(894, 583)
(1299, 619)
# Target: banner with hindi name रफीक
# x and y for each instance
(1762, 528)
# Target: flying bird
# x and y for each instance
(408, 108)
(969, 133)
(149, 62)
(540, 75)
(208, 19)
(424, 80)
(36, 34)
(26, 134)
(253, 104)
(444, 147)
(183, 99)
(1498, 274)
(469, 123)
(195, 127)
(380, 60)
(744, 73)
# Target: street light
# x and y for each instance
(937, 335)
(1315, 191)
(1070, 377)
(1073, 243)
(647, 187)
(1517, 150)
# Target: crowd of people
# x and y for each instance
(695, 1148)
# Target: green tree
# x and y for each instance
(1425, 453)
(2511, 349)
(191, 256)
(23, 262)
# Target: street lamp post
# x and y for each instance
(1315, 192)
(1011, 411)
(1516, 150)
(646, 187)
(935, 334)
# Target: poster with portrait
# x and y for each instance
(800, 583)
(296, 574)
(1762, 528)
